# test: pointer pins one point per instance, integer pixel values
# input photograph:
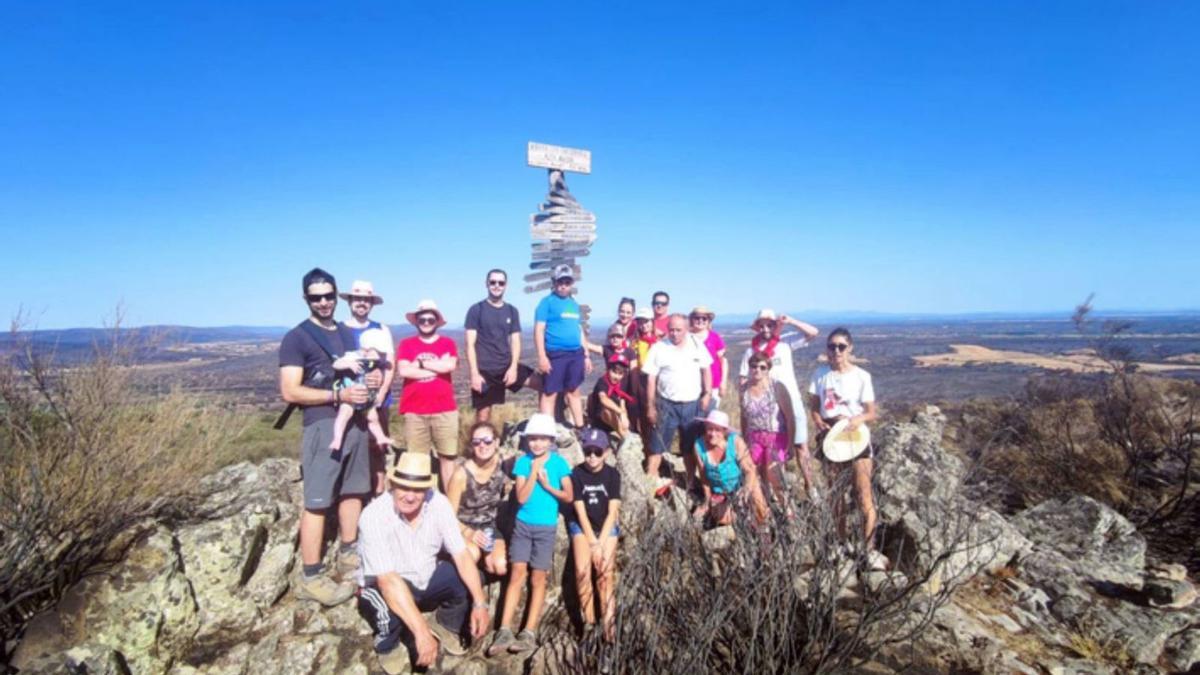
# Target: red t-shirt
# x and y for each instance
(432, 395)
(661, 323)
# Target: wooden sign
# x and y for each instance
(559, 157)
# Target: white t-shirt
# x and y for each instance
(783, 371)
(678, 369)
(842, 394)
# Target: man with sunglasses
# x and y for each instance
(559, 338)
(427, 361)
(311, 359)
(493, 347)
(661, 302)
(363, 299)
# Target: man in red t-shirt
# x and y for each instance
(661, 302)
(426, 362)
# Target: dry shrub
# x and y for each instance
(86, 456)
(785, 598)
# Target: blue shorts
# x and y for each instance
(575, 530)
(675, 416)
(566, 371)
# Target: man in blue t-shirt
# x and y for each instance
(560, 342)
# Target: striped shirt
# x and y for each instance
(388, 542)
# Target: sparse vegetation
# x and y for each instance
(86, 456)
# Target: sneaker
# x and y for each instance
(501, 641)
(395, 661)
(526, 642)
(451, 641)
(323, 589)
(347, 563)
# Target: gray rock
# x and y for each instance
(1182, 651)
(1172, 571)
(1100, 543)
(1169, 594)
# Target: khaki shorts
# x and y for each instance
(426, 433)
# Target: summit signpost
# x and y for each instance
(562, 230)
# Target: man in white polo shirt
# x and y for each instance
(400, 535)
(678, 387)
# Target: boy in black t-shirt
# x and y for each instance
(594, 530)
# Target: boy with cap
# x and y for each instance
(543, 481)
(594, 530)
(560, 341)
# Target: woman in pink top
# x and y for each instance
(701, 320)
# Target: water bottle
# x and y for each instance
(490, 536)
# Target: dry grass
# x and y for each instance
(86, 455)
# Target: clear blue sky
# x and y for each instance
(193, 160)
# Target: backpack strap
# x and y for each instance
(321, 337)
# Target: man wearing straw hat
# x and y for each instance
(426, 361)
(363, 299)
(401, 534)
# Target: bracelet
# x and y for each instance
(479, 605)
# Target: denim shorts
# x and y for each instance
(566, 371)
(575, 530)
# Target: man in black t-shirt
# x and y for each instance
(310, 361)
(493, 347)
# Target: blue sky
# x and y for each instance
(191, 161)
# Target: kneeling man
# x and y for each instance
(401, 533)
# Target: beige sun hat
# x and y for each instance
(842, 444)
(413, 470)
(703, 310)
(644, 313)
(362, 288)
(424, 307)
(764, 314)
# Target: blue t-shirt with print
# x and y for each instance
(561, 316)
(541, 508)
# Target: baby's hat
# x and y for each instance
(374, 338)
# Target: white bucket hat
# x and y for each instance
(541, 424)
(425, 307)
(764, 314)
(843, 445)
(717, 418)
(374, 338)
(364, 289)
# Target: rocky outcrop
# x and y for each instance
(1063, 587)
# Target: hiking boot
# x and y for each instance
(501, 641)
(395, 661)
(347, 564)
(323, 589)
(526, 642)
(451, 641)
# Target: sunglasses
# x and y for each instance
(497, 282)
(362, 298)
(328, 297)
(660, 303)
(593, 452)
(699, 319)
(566, 281)
(484, 440)
(426, 320)
(837, 346)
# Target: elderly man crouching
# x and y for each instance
(400, 535)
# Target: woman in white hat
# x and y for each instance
(843, 391)
(727, 471)
(700, 322)
(769, 339)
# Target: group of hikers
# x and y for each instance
(416, 540)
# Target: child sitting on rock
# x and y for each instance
(370, 356)
(594, 530)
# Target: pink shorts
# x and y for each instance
(769, 445)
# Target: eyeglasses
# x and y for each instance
(593, 452)
(327, 297)
(760, 366)
(497, 282)
(426, 320)
(483, 440)
(837, 346)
